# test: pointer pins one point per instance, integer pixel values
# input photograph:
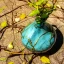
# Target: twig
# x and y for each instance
(12, 10)
(2, 31)
(54, 1)
(22, 0)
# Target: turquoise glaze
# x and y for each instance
(37, 37)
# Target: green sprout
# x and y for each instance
(42, 10)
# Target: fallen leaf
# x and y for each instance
(44, 59)
(10, 46)
(11, 62)
(22, 16)
(2, 59)
(3, 24)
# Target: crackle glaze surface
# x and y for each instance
(37, 38)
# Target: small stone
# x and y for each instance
(17, 19)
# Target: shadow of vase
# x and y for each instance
(54, 49)
(57, 45)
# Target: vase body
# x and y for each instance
(38, 37)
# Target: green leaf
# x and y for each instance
(48, 5)
(44, 15)
(55, 7)
(33, 5)
(30, 4)
(34, 12)
(38, 20)
(39, 2)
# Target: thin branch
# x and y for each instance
(54, 1)
(22, 0)
(12, 10)
(58, 16)
(5, 3)
(2, 32)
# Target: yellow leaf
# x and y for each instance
(22, 16)
(11, 63)
(3, 24)
(2, 59)
(48, 5)
(39, 2)
(44, 59)
(10, 46)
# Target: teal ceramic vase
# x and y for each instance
(38, 37)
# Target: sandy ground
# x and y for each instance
(56, 54)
